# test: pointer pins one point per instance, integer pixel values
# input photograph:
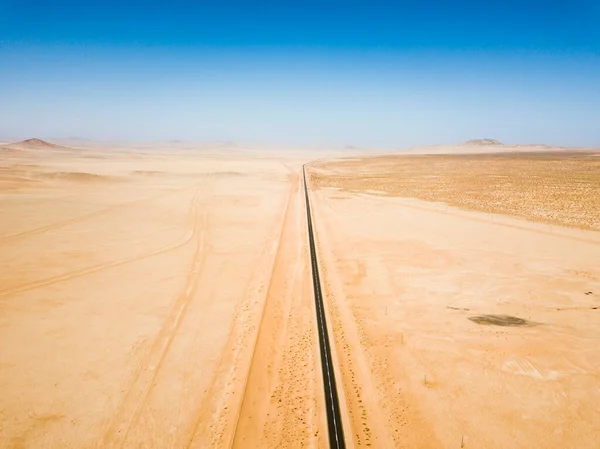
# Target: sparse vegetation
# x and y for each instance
(557, 188)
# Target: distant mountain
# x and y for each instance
(482, 142)
(35, 144)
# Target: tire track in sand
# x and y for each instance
(218, 411)
(63, 223)
(281, 404)
(139, 389)
(4, 293)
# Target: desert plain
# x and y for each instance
(161, 296)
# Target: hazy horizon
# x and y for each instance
(380, 74)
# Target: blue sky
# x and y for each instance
(376, 73)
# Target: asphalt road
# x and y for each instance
(334, 421)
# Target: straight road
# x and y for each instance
(332, 406)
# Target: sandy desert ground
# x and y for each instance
(162, 297)
(457, 325)
(132, 291)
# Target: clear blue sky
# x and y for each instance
(366, 73)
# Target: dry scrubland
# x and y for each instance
(558, 188)
(161, 297)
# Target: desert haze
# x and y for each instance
(163, 296)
